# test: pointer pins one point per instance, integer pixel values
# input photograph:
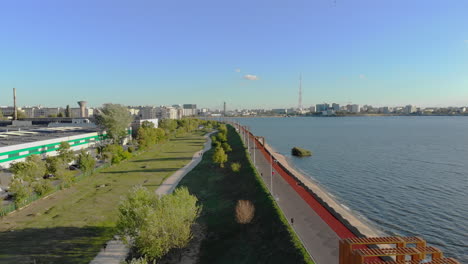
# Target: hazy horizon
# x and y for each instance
(249, 54)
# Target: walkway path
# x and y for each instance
(317, 236)
(115, 251)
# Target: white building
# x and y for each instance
(355, 108)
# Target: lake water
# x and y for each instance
(404, 175)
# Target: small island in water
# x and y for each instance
(300, 152)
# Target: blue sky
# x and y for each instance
(156, 52)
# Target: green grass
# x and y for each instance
(71, 225)
(267, 239)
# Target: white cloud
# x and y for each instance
(251, 77)
(237, 70)
(362, 76)
(466, 41)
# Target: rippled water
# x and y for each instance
(405, 175)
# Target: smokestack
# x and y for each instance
(82, 105)
(15, 117)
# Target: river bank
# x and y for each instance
(363, 227)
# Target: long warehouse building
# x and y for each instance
(17, 145)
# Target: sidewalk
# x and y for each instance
(115, 251)
(317, 236)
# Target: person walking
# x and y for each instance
(292, 220)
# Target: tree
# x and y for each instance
(220, 156)
(60, 114)
(169, 125)
(30, 169)
(226, 147)
(67, 111)
(157, 224)
(115, 119)
(115, 153)
(86, 162)
(65, 153)
(1, 115)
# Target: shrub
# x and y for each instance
(30, 169)
(245, 211)
(20, 191)
(220, 156)
(65, 153)
(86, 162)
(157, 224)
(226, 147)
(116, 153)
(235, 167)
(42, 187)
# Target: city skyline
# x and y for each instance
(247, 54)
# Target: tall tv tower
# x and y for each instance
(299, 106)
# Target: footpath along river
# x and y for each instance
(401, 175)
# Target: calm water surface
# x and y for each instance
(405, 175)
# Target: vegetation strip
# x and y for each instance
(72, 225)
(264, 237)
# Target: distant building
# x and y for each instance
(336, 107)
(148, 112)
(354, 108)
(280, 111)
(409, 109)
(321, 107)
(189, 110)
(312, 109)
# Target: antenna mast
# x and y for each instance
(300, 93)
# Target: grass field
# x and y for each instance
(267, 239)
(71, 225)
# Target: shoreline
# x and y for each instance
(347, 214)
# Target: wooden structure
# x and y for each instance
(363, 250)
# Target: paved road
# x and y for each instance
(317, 236)
(115, 251)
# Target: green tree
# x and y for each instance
(115, 153)
(226, 147)
(30, 169)
(1, 116)
(169, 125)
(115, 119)
(86, 162)
(157, 224)
(220, 156)
(67, 111)
(60, 114)
(65, 153)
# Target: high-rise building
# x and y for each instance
(336, 107)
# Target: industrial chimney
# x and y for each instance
(15, 113)
(82, 105)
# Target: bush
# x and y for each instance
(245, 211)
(157, 224)
(235, 167)
(300, 152)
(86, 162)
(30, 169)
(116, 153)
(220, 156)
(42, 187)
(20, 191)
(226, 147)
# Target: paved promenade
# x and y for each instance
(116, 251)
(318, 237)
